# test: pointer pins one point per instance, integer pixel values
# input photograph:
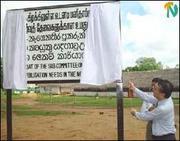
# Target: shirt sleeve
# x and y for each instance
(149, 115)
(145, 106)
(146, 97)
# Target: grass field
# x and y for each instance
(82, 101)
(55, 117)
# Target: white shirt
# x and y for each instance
(145, 106)
(162, 116)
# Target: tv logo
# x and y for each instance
(171, 9)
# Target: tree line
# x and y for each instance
(145, 64)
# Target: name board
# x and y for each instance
(55, 43)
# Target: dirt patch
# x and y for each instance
(90, 124)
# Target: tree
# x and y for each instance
(144, 64)
(177, 66)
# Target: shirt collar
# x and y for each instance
(163, 101)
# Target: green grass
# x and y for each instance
(176, 101)
(14, 96)
(22, 110)
(21, 107)
(83, 101)
(132, 102)
(106, 102)
(102, 102)
(43, 113)
(25, 110)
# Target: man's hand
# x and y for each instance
(151, 108)
(131, 86)
(133, 111)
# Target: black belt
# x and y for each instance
(169, 136)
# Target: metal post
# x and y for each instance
(9, 114)
(119, 91)
(120, 118)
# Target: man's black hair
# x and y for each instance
(156, 79)
(170, 85)
(166, 87)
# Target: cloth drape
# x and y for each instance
(14, 50)
(102, 61)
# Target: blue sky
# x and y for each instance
(146, 31)
(131, 7)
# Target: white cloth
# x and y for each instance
(102, 56)
(162, 116)
(14, 51)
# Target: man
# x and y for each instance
(149, 107)
(163, 115)
(146, 105)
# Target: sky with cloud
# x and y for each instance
(146, 30)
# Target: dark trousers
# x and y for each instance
(149, 130)
(170, 137)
